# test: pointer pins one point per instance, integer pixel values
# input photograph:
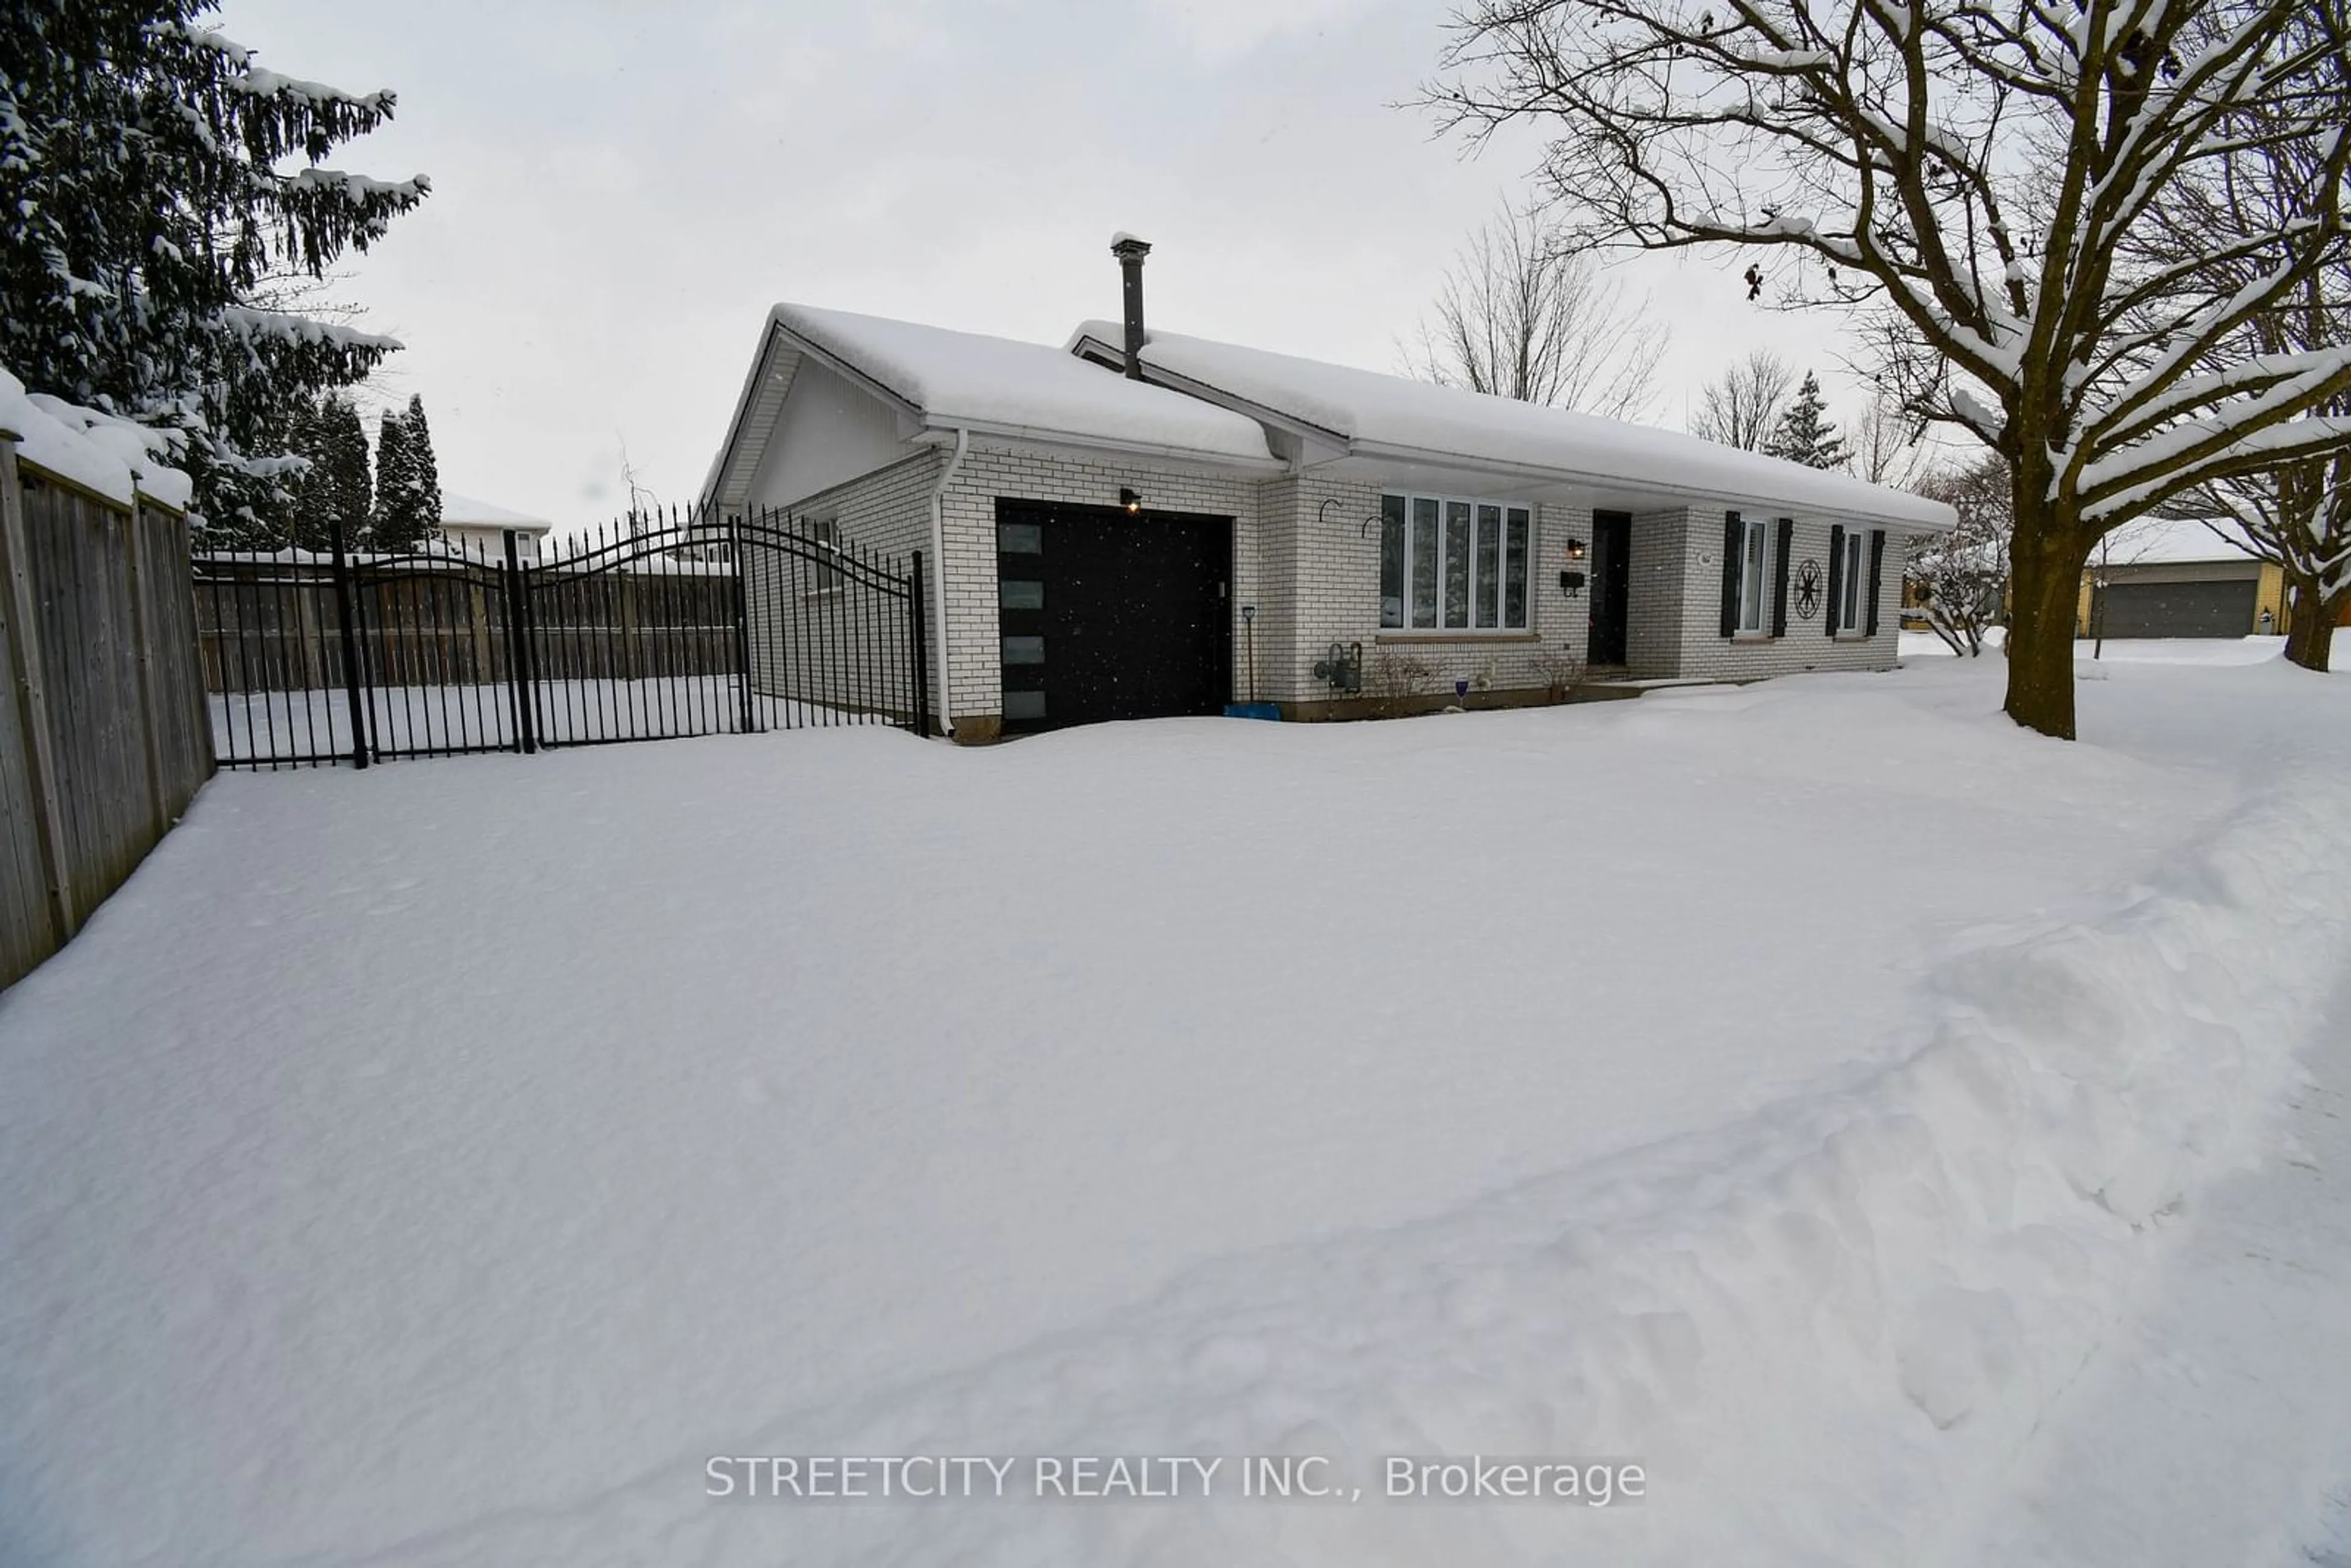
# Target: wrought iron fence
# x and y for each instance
(680, 624)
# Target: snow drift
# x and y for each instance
(1823, 1330)
(440, 1165)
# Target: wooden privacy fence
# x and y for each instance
(104, 737)
(267, 622)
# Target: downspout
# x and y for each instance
(939, 570)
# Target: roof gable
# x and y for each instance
(944, 380)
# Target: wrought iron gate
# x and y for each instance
(679, 624)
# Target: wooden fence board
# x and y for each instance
(25, 938)
(118, 729)
(269, 628)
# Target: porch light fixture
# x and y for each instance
(1131, 500)
(1576, 549)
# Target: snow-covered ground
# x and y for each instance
(2215, 1425)
(2089, 655)
(1801, 1089)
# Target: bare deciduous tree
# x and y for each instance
(1982, 178)
(2298, 516)
(1742, 408)
(1523, 315)
(1887, 446)
(2295, 514)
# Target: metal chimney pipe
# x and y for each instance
(1129, 252)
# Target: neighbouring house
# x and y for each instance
(1141, 523)
(2165, 577)
(478, 527)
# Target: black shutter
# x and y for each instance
(1836, 579)
(1733, 537)
(1780, 575)
(1876, 568)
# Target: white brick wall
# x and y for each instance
(887, 510)
(1656, 592)
(1317, 542)
(1303, 555)
(1706, 653)
(1278, 637)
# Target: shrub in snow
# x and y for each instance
(1960, 579)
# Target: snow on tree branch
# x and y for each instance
(1987, 191)
(153, 202)
(1980, 178)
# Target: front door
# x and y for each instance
(1612, 585)
(1107, 614)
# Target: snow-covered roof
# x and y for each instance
(2171, 541)
(464, 512)
(110, 457)
(1000, 384)
(1384, 415)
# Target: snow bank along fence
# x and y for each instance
(103, 727)
(677, 623)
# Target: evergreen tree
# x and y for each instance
(278, 520)
(147, 220)
(352, 492)
(335, 486)
(427, 468)
(397, 525)
(296, 513)
(1805, 434)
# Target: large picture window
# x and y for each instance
(1449, 564)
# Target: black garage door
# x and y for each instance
(1107, 614)
(2179, 609)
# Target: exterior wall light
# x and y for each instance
(1131, 500)
(1576, 549)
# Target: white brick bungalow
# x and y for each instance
(1106, 521)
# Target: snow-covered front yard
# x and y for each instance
(1793, 1088)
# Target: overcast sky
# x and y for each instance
(621, 191)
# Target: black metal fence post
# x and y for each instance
(917, 602)
(739, 558)
(349, 644)
(518, 650)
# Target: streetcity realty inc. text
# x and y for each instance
(1086, 1478)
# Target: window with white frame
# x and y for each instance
(1754, 575)
(1454, 564)
(825, 571)
(1852, 608)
